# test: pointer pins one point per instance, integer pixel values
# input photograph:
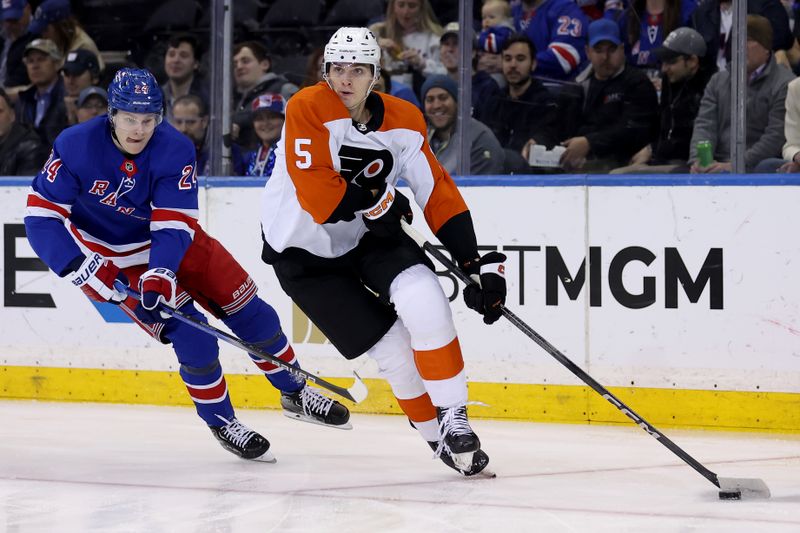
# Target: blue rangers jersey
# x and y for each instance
(558, 31)
(90, 197)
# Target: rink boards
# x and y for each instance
(681, 297)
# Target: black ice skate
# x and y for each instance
(242, 441)
(456, 436)
(479, 462)
(309, 405)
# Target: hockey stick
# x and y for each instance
(730, 488)
(356, 394)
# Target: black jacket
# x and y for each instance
(16, 73)
(55, 116)
(706, 20)
(619, 115)
(679, 105)
(532, 116)
(22, 152)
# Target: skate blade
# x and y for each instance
(311, 420)
(485, 473)
(267, 457)
(463, 461)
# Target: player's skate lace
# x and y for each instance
(454, 422)
(315, 403)
(236, 432)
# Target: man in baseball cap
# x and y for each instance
(48, 12)
(42, 104)
(92, 102)
(81, 70)
(683, 80)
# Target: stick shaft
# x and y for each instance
(237, 342)
(572, 367)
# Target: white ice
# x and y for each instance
(116, 468)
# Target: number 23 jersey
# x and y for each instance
(326, 164)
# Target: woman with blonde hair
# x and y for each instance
(409, 38)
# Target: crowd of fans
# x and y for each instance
(619, 86)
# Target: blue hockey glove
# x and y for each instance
(488, 293)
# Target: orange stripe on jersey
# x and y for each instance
(440, 363)
(419, 409)
(308, 153)
(445, 201)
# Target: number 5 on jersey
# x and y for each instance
(303, 156)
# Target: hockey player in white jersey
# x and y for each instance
(331, 227)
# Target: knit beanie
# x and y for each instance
(442, 82)
(759, 30)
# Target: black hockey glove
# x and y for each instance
(488, 292)
(383, 218)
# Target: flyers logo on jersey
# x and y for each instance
(365, 167)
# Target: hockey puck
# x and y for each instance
(730, 495)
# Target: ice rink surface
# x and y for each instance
(117, 468)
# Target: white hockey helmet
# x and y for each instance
(352, 45)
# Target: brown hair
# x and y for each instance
(391, 28)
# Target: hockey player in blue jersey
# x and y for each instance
(557, 29)
(117, 199)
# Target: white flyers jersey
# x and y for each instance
(325, 163)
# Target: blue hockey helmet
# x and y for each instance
(135, 90)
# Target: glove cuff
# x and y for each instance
(382, 204)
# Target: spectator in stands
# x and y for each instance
(713, 19)
(440, 98)
(409, 38)
(684, 78)
(790, 162)
(42, 104)
(595, 9)
(496, 27)
(181, 64)
(190, 117)
(557, 29)
(620, 107)
(16, 15)
(385, 85)
(483, 85)
(80, 70)
(766, 106)
(314, 68)
(92, 102)
(525, 113)
(53, 20)
(22, 152)
(252, 76)
(269, 111)
(645, 23)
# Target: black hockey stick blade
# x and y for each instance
(733, 488)
(750, 488)
(356, 393)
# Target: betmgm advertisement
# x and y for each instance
(681, 299)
